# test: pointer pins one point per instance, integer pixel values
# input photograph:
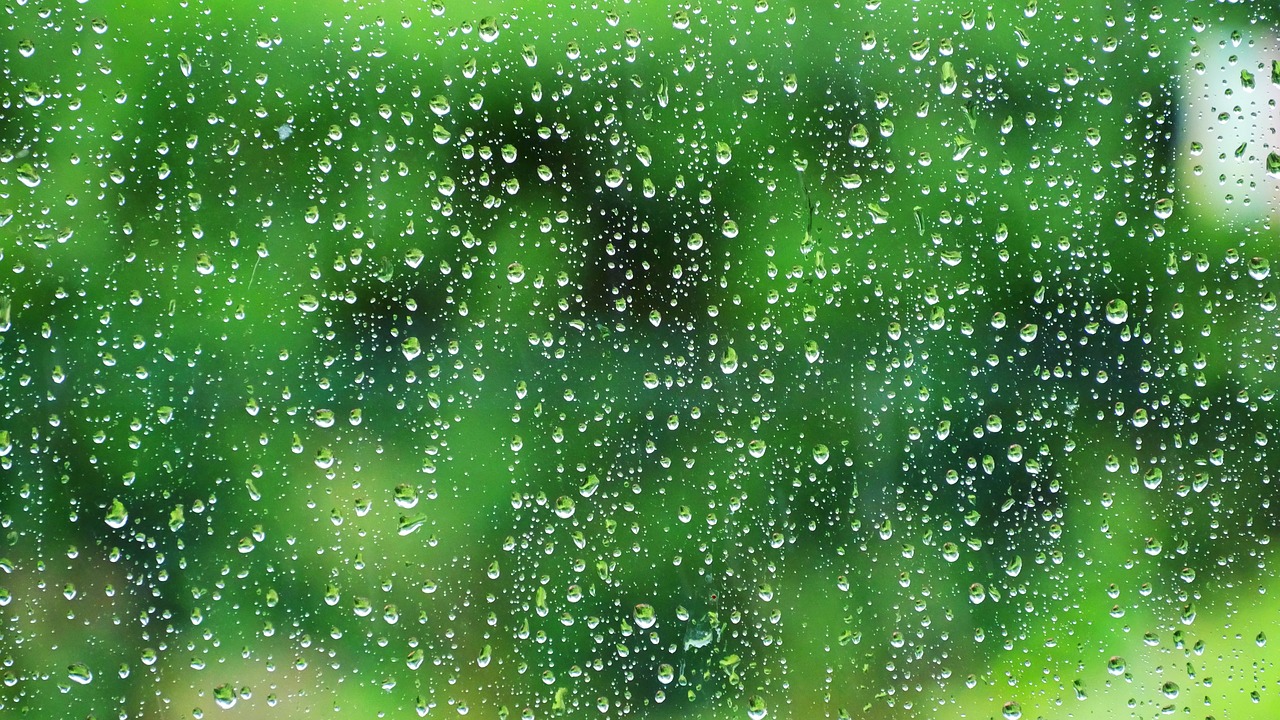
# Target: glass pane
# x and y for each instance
(613, 359)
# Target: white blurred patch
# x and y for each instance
(285, 131)
(1225, 175)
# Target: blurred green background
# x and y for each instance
(617, 359)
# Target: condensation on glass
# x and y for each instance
(635, 360)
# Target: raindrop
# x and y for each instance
(564, 507)
(411, 348)
(1117, 311)
(405, 495)
(515, 273)
(79, 673)
(488, 29)
(977, 593)
(117, 516)
(729, 361)
(645, 616)
(224, 696)
(1259, 268)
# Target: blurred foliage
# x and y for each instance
(872, 360)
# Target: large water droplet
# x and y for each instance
(80, 673)
(117, 516)
(1117, 311)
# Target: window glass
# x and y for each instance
(624, 359)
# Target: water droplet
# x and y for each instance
(117, 516)
(950, 551)
(324, 458)
(859, 136)
(977, 593)
(645, 616)
(1117, 311)
(28, 176)
(723, 153)
(515, 272)
(564, 507)
(1259, 268)
(224, 696)
(80, 673)
(33, 94)
(949, 79)
(405, 495)
(410, 525)
(729, 361)
(411, 348)
(821, 454)
(1273, 164)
